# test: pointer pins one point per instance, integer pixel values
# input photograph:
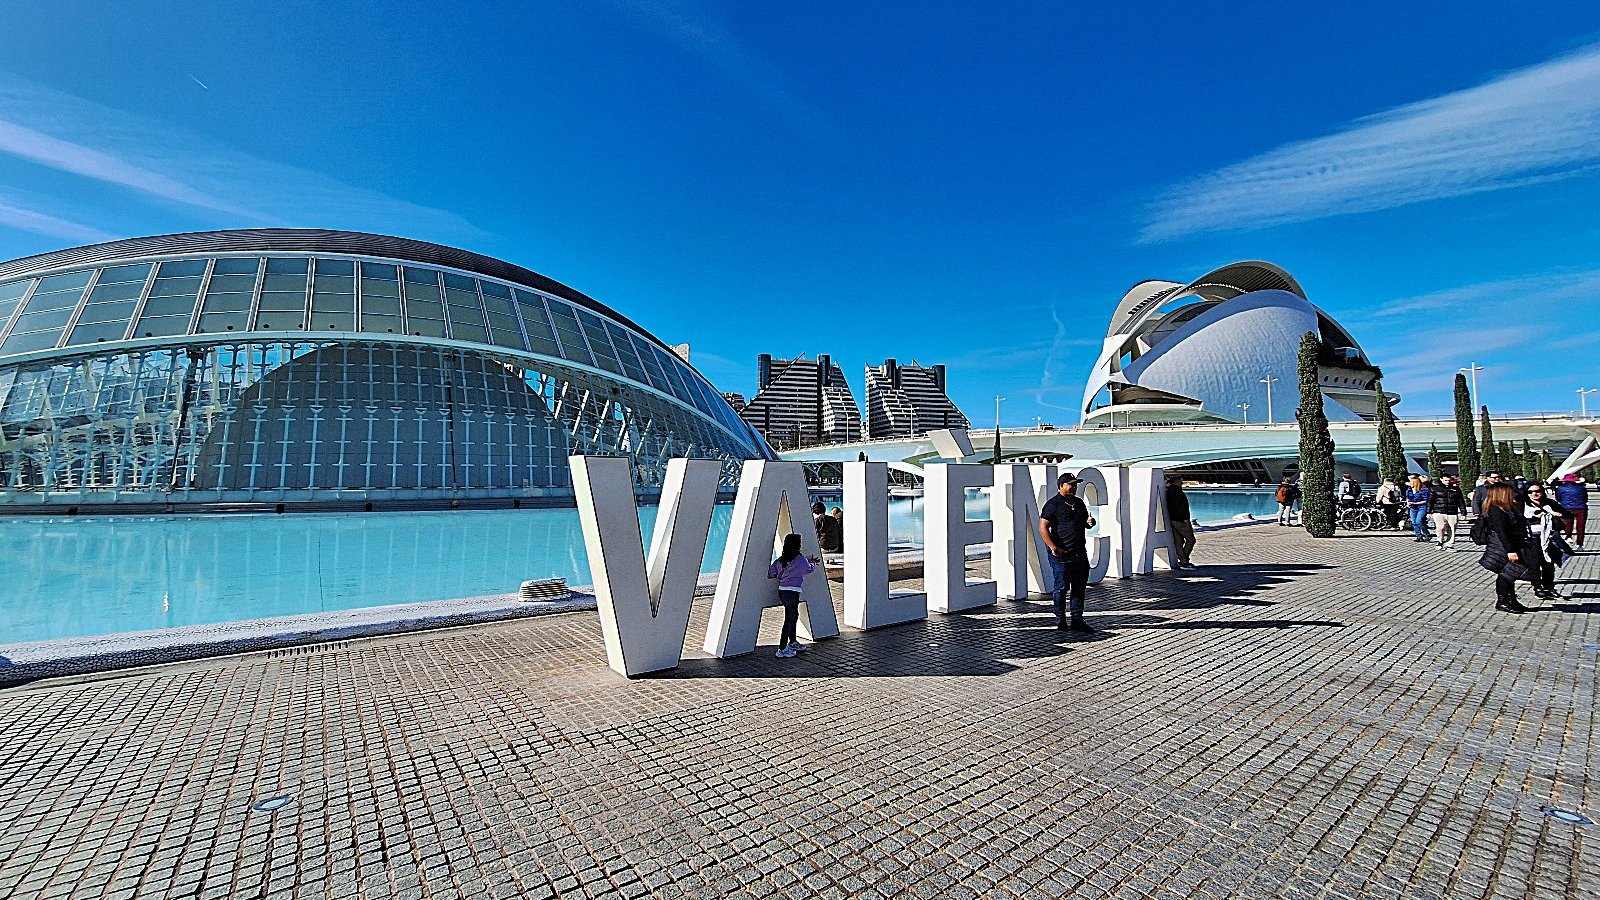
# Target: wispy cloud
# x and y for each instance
(697, 33)
(36, 222)
(1532, 125)
(154, 161)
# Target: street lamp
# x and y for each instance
(1583, 400)
(1268, 381)
(1473, 371)
(1246, 408)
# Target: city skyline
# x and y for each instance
(971, 189)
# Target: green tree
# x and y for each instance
(1530, 463)
(1466, 441)
(1391, 453)
(1435, 467)
(1506, 461)
(1487, 461)
(1316, 446)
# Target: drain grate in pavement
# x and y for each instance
(1566, 815)
(272, 804)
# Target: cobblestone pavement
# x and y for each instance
(1337, 718)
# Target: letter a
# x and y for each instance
(644, 615)
(769, 494)
(1152, 536)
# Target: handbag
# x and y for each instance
(1518, 571)
(1560, 551)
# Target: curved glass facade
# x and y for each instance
(276, 374)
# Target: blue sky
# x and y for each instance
(945, 182)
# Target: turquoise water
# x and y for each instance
(87, 575)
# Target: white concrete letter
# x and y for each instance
(1018, 553)
(1147, 516)
(868, 601)
(946, 534)
(1109, 525)
(644, 614)
(772, 502)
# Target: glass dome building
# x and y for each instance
(308, 366)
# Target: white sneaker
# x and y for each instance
(798, 647)
(785, 653)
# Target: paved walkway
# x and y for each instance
(1340, 718)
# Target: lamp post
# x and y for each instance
(1269, 381)
(997, 399)
(1583, 400)
(1246, 408)
(1473, 371)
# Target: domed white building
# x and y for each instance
(1213, 350)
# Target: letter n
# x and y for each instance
(644, 608)
(1018, 553)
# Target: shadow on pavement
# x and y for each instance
(994, 640)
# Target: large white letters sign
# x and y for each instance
(1018, 554)
(644, 612)
(771, 495)
(1152, 535)
(946, 535)
(1101, 490)
(868, 600)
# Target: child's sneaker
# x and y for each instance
(784, 653)
(797, 647)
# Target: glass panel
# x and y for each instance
(96, 333)
(456, 282)
(465, 315)
(10, 295)
(123, 274)
(182, 267)
(58, 292)
(185, 286)
(543, 345)
(121, 311)
(39, 340)
(45, 319)
(468, 332)
(280, 266)
(281, 283)
(505, 330)
(336, 267)
(380, 271)
(161, 326)
(106, 293)
(168, 306)
(496, 297)
(245, 265)
(333, 321)
(214, 303)
(381, 324)
(571, 340)
(379, 306)
(426, 327)
(625, 354)
(421, 276)
(230, 321)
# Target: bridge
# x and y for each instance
(1566, 437)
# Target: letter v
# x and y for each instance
(644, 608)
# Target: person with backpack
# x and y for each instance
(1391, 502)
(790, 570)
(1348, 493)
(1504, 533)
(1287, 494)
(1446, 503)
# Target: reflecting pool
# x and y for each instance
(78, 576)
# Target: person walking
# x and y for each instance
(1574, 498)
(1288, 493)
(1417, 494)
(1180, 521)
(1062, 523)
(1505, 534)
(1481, 492)
(1544, 515)
(790, 570)
(1445, 505)
(1391, 502)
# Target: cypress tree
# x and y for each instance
(1530, 463)
(1316, 446)
(1506, 461)
(1466, 440)
(1486, 456)
(1391, 453)
(1435, 467)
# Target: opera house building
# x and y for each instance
(307, 366)
(1211, 352)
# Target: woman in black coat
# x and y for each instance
(1507, 540)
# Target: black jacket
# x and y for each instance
(1448, 500)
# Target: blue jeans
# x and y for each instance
(1419, 521)
(1071, 578)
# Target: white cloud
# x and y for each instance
(1536, 124)
(159, 162)
(50, 226)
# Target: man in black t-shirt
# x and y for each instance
(1062, 523)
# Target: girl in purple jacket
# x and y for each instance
(790, 569)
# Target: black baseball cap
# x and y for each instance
(1067, 478)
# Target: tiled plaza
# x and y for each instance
(1334, 719)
